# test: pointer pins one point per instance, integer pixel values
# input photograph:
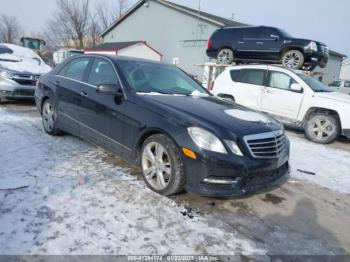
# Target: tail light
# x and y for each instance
(210, 43)
(212, 85)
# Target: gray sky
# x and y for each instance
(324, 20)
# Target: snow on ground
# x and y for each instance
(324, 166)
(78, 202)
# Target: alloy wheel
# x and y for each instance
(322, 128)
(48, 116)
(224, 57)
(292, 60)
(156, 166)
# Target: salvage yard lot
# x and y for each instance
(64, 196)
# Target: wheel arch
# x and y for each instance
(288, 48)
(314, 110)
(146, 134)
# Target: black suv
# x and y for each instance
(265, 44)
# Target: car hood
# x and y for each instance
(335, 96)
(212, 112)
(23, 60)
(306, 41)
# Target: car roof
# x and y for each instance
(265, 67)
(116, 58)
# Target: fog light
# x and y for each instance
(222, 180)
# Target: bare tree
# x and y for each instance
(94, 32)
(108, 14)
(70, 23)
(9, 29)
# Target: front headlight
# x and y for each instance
(234, 147)
(311, 46)
(206, 140)
(6, 73)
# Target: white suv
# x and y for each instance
(293, 97)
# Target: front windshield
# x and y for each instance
(314, 84)
(147, 77)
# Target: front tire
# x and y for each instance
(49, 118)
(162, 166)
(293, 59)
(225, 56)
(322, 128)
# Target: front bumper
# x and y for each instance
(316, 58)
(10, 89)
(346, 132)
(251, 175)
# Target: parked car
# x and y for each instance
(293, 97)
(159, 117)
(60, 55)
(20, 67)
(265, 44)
(342, 86)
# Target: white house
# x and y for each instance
(345, 71)
(137, 49)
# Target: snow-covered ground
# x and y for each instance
(78, 203)
(69, 197)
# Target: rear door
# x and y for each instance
(68, 86)
(278, 99)
(249, 87)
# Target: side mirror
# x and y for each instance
(296, 88)
(276, 37)
(107, 89)
(111, 89)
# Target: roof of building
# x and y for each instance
(114, 45)
(334, 53)
(213, 19)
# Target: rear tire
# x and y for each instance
(322, 128)
(293, 59)
(49, 118)
(225, 56)
(162, 166)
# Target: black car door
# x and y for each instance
(247, 43)
(68, 87)
(101, 114)
(269, 44)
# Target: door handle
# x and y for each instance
(268, 91)
(240, 42)
(57, 83)
(83, 93)
(259, 43)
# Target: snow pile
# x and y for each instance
(320, 164)
(23, 60)
(80, 200)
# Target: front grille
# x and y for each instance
(266, 145)
(26, 79)
(324, 49)
(23, 92)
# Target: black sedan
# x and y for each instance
(157, 116)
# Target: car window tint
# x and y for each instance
(267, 32)
(335, 84)
(252, 76)
(102, 72)
(76, 68)
(235, 75)
(280, 80)
(250, 33)
(347, 84)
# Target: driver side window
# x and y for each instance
(280, 80)
(102, 73)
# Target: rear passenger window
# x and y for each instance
(76, 68)
(102, 72)
(252, 76)
(235, 75)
